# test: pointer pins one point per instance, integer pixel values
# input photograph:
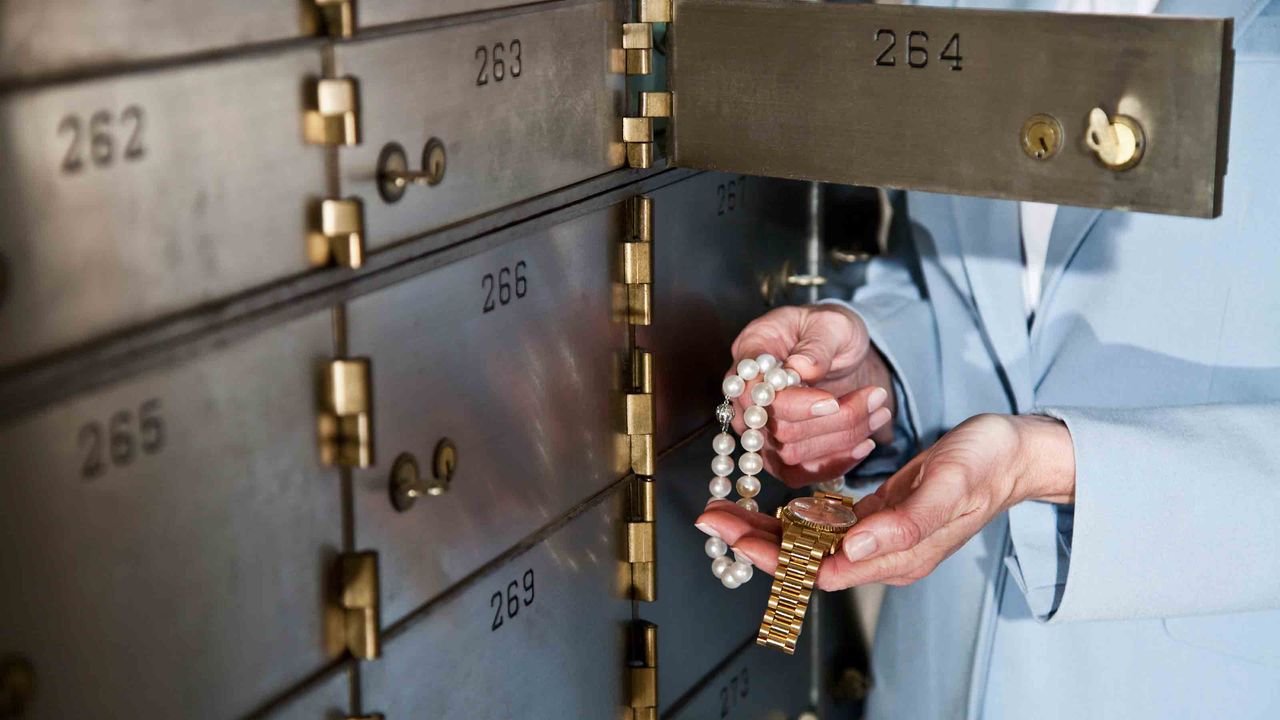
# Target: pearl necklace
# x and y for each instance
(733, 573)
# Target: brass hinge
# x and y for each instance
(359, 601)
(637, 261)
(641, 542)
(337, 234)
(337, 17)
(637, 132)
(642, 670)
(637, 45)
(640, 414)
(332, 115)
(344, 422)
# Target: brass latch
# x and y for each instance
(359, 601)
(338, 17)
(639, 413)
(637, 261)
(332, 113)
(642, 670)
(337, 237)
(641, 545)
(344, 422)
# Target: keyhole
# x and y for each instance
(433, 161)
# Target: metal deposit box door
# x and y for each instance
(170, 537)
(944, 100)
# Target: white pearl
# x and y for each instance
(720, 566)
(752, 440)
(722, 465)
(776, 377)
(741, 572)
(715, 547)
(749, 504)
(733, 386)
(766, 362)
(793, 378)
(739, 557)
(750, 463)
(748, 369)
(723, 443)
(729, 580)
(748, 486)
(755, 417)
(720, 487)
(832, 486)
(762, 394)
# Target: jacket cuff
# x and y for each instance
(1041, 553)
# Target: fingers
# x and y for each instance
(762, 553)
(936, 502)
(847, 431)
(799, 404)
(824, 334)
(807, 473)
(733, 516)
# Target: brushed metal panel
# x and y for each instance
(758, 684)
(563, 655)
(190, 581)
(329, 699)
(216, 202)
(528, 393)
(556, 123)
(43, 36)
(716, 238)
(793, 90)
(700, 621)
(383, 12)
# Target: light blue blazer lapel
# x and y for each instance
(991, 247)
(1070, 226)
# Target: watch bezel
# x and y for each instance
(787, 514)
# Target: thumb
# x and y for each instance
(826, 332)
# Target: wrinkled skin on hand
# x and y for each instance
(930, 507)
(821, 431)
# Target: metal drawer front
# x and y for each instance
(524, 104)
(327, 700)
(701, 621)
(937, 99)
(542, 636)
(717, 238)
(169, 537)
(759, 684)
(133, 197)
(382, 12)
(42, 36)
(512, 355)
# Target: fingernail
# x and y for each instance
(864, 449)
(707, 529)
(859, 546)
(879, 419)
(876, 399)
(825, 407)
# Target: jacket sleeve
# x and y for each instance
(901, 325)
(1169, 502)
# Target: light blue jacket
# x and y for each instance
(1157, 341)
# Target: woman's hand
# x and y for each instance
(930, 507)
(819, 432)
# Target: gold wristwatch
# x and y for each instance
(812, 528)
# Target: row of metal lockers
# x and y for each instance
(282, 438)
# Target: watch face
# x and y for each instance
(822, 511)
